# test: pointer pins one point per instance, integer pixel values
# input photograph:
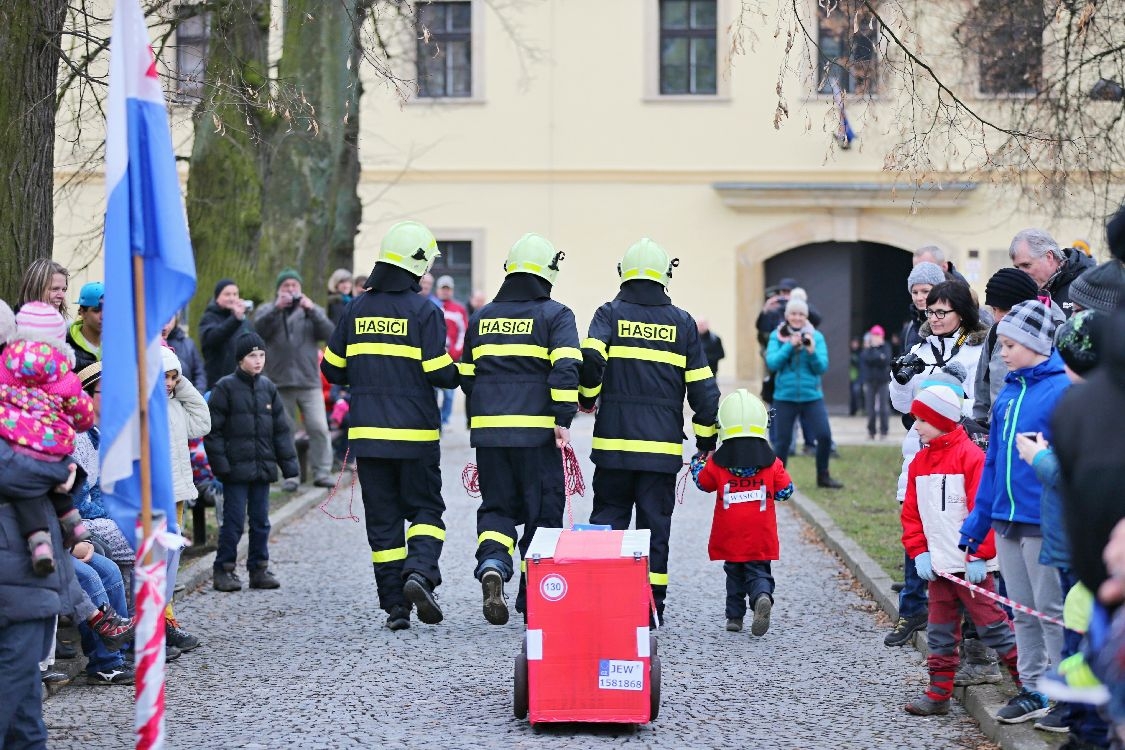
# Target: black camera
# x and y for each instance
(297, 298)
(906, 367)
(806, 340)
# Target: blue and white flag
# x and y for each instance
(144, 217)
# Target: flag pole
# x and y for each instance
(142, 399)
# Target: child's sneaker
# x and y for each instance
(1025, 706)
(123, 675)
(176, 636)
(73, 528)
(1056, 720)
(927, 706)
(734, 624)
(114, 630)
(42, 554)
(762, 607)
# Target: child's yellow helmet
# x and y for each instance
(742, 414)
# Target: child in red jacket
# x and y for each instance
(748, 478)
(941, 489)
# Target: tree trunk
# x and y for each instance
(29, 57)
(313, 172)
(229, 158)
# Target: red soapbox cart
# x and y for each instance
(588, 654)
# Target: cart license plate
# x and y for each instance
(617, 674)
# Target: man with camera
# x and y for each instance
(292, 325)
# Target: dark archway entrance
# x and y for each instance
(853, 285)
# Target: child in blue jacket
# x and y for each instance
(1008, 499)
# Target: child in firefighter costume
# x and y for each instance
(641, 358)
(389, 347)
(519, 372)
(748, 479)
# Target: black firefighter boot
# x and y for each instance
(420, 592)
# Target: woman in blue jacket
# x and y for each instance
(797, 356)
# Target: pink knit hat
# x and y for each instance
(38, 321)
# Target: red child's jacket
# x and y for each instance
(941, 490)
(745, 525)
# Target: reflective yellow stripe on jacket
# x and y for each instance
(392, 433)
(510, 350)
(512, 420)
(638, 446)
(648, 355)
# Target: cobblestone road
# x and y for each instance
(311, 665)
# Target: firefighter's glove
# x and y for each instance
(924, 566)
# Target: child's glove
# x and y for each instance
(975, 571)
(924, 566)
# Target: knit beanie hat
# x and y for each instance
(286, 274)
(90, 375)
(7, 323)
(169, 360)
(38, 321)
(952, 376)
(340, 274)
(1029, 323)
(1077, 339)
(1008, 287)
(1115, 234)
(1100, 288)
(246, 343)
(877, 330)
(221, 285)
(925, 273)
(798, 292)
(938, 405)
(796, 305)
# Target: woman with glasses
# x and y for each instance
(952, 333)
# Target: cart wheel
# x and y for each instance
(520, 700)
(654, 688)
(652, 648)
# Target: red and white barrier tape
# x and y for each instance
(1002, 599)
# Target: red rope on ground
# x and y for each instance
(323, 507)
(574, 484)
(470, 478)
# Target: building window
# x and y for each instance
(445, 49)
(688, 47)
(847, 38)
(193, 30)
(1007, 38)
(457, 261)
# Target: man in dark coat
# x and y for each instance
(712, 345)
(1053, 268)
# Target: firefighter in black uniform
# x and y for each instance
(390, 349)
(520, 377)
(641, 357)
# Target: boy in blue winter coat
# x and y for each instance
(1008, 499)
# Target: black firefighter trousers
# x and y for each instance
(617, 492)
(397, 492)
(517, 486)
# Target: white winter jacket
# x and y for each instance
(188, 418)
(902, 396)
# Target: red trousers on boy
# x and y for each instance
(943, 633)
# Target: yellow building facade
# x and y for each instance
(555, 122)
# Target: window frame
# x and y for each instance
(986, 42)
(651, 58)
(691, 36)
(189, 11)
(820, 78)
(474, 39)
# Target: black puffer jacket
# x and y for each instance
(1076, 264)
(218, 329)
(249, 435)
